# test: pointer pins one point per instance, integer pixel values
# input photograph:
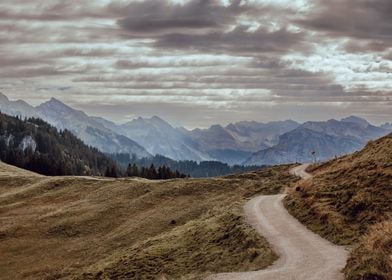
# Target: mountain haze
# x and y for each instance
(260, 135)
(88, 129)
(327, 139)
(237, 141)
(159, 137)
(16, 108)
(387, 126)
(245, 142)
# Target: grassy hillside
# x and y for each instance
(349, 202)
(372, 256)
(85, 227)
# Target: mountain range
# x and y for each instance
(86, 128)
(246, 142)
(313, 141)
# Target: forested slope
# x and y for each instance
(37, 146)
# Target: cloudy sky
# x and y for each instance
(199, 62)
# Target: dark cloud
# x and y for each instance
(369, 22)
(164, 16)
(280, 80)
(239, 41)
(209, 26)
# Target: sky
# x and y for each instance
(201, 62)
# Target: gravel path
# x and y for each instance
(303, 255)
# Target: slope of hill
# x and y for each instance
(91, 228)
(347, 198)
(7, 170)
(37, 146)
(327, 139)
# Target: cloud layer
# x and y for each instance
(200, 62)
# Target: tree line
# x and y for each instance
(161, 173)
(35, 145)
(193, 168)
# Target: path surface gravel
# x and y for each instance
(303, 255)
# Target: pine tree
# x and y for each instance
(152, 172)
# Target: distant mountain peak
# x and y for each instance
(216, 127)
(53, 99)
(357, 120)
(154, 121)
(56, 101)
(156, 118)
(160, 121)
(55, 104)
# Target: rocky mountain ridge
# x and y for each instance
(245, 142)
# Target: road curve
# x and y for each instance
(300, 171)
(303, 255)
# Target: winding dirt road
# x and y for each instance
(303, 255)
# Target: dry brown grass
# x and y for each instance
(219, 241)
(347, 195)
(83, 227)
(372, 257)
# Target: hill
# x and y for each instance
(92, 228)
(349, 202)
(35, 145)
